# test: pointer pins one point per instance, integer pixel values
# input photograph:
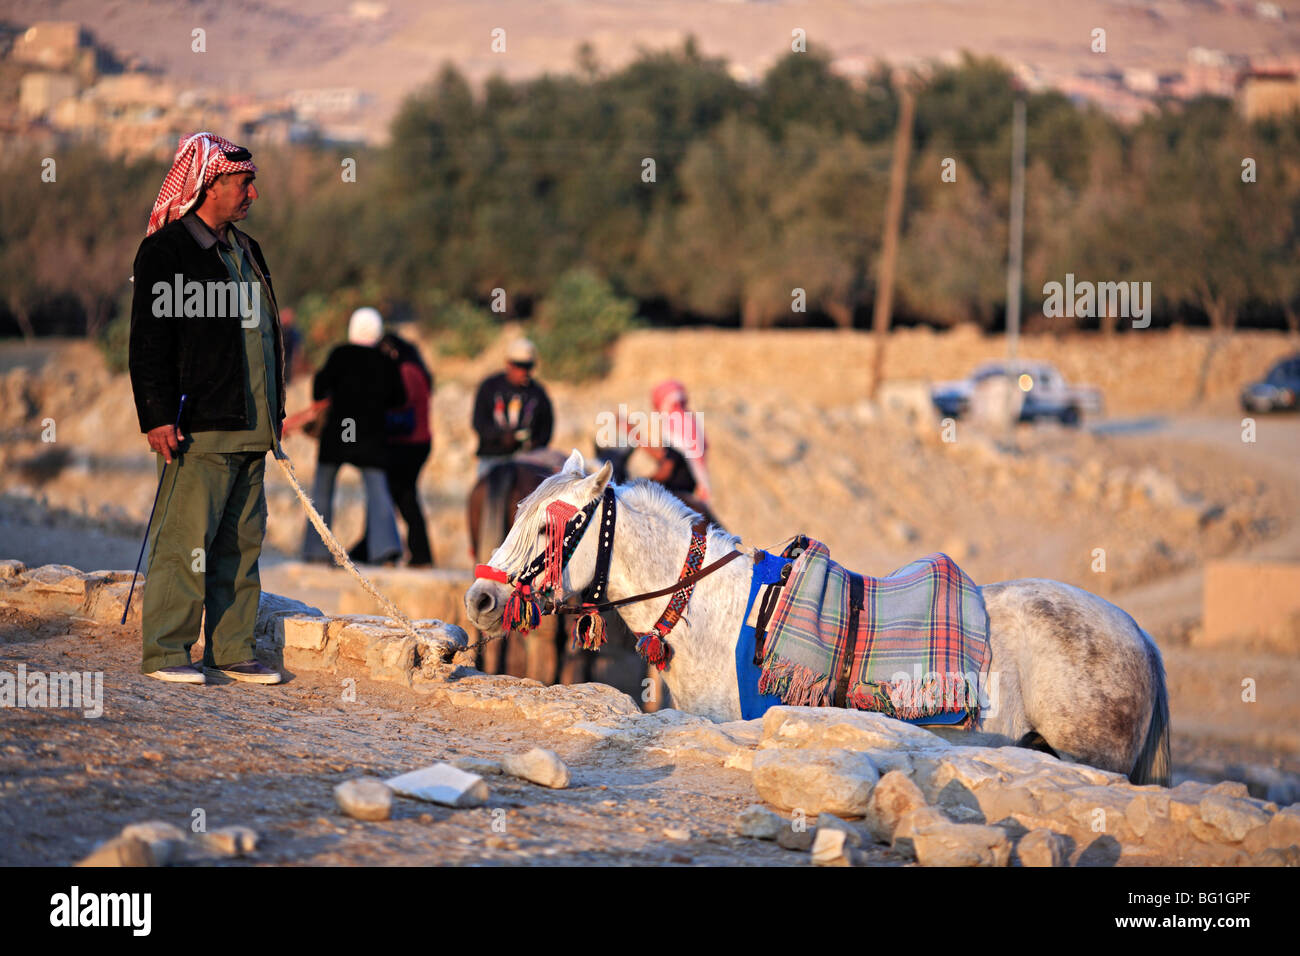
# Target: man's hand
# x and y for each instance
(165, 440)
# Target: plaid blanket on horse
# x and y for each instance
(920, 649)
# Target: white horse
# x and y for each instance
(1073, 673)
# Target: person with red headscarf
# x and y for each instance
(679, 430)
(207, 372)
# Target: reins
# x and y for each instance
(687, 581)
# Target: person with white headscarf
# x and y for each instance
(362, 384)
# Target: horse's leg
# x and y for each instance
(559, 642)
(1089, 679)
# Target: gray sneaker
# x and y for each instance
(250, 670)
(179, 674)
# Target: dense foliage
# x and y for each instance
(756, 191)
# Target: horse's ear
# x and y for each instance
(597, 482)
(575, 465)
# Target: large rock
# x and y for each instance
(1284, 828)
(961, 844)
(304, 632)
(796, 837)
(166, 840)
(1041, 847)
(815, 781)
(1232, 817)
(760, 823)
(543, 767)
(558, 707)
(57, 579)
(909, 823)
(442, 783)
(366, 798)
(271, 609)
(893, 797)
(703, 739)
(835, 843)
(121, 851)
(229, 841)
(825, 727)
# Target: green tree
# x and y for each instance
(578, 323)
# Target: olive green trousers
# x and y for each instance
(203, 550)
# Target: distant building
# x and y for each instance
(309, 104)
(132, 92)
(1269, 93)
(1142, 80)
(53, 45)
(39, 93)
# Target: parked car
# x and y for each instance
(1046, 393)
(1278, 391)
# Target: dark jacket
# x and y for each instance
(361, 383)
(201, 356)
(501, 409)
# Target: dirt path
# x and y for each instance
(269, 757)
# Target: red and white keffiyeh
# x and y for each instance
(200, 159)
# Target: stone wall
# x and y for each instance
(1137, 371)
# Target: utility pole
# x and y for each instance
(893, 223)
(1015, 256)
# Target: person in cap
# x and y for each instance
(362, 383)
(207, 373)
(512, 412)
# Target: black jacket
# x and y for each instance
(198, 356)
(361, 383)
(501, 409)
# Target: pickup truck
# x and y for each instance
(1278, 391)
(1046, 393)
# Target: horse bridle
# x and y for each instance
(525, 606)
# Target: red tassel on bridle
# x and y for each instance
(653, 646)
(558, 514)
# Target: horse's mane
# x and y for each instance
(640, 495)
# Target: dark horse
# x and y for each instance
(493, 502)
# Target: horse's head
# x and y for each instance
(486, 598)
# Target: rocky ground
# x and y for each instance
(269, 758)
(798, 786)
(1159, 488)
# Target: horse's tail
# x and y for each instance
(1153, 763)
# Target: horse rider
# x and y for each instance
(682, 447)
(512, 412)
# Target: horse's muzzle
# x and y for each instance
(484, 602)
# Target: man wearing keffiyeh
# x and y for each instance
(207, 372)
